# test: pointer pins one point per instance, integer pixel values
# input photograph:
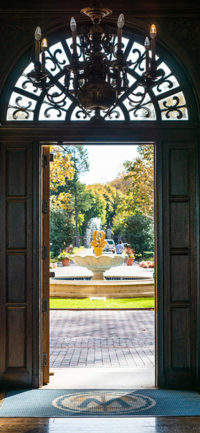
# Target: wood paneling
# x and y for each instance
(180, 278)
(179, 223)
(181, 328)
(179, 264)
(16, 278)
(16, 224)
(16, 337)
(16, 264)
(176, 271)
(179, 175)
(16, 179)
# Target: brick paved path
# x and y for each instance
(101, 338)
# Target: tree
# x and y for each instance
(129, 194)
(61, 168)
(61, 223)
(139, 232)
(65, 187)
(95, 209)
(121, 183)
(61, 229)
(79, 157)
(138, 185)
(140, 197)
(111, 199)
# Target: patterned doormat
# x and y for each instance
(105, 403)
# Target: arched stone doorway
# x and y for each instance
(172, 129)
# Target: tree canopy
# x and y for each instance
(61, 169)
(130, 194)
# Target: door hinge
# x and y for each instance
(44, 252)
(44, 161)
(44, 305)
(51, 157)
(44, 359)
(44, 206)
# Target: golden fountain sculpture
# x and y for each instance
(98, 242)
(98, 263)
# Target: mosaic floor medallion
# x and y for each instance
(103, 402)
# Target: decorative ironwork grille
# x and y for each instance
(164, 102)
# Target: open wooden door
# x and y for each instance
(45, 259)
(177, 276)
(16, 264)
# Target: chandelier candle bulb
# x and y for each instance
(73, 27)
(153, 34)
(38, 35)
(153, 31)
(120, 25)
(44, 46)
(147, 48)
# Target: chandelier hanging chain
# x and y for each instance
(97, 75)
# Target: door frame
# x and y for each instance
(77, 133)
(45, 263)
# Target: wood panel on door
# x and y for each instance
(16, 264)
(179, 264)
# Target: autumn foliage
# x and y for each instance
(61, 169)
(123, 204)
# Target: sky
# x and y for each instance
(106, 162)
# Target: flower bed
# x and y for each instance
(146, 264)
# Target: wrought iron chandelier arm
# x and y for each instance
(134, 102)
(107, 44)
(25, 85)
(53, 98)
(138, 61)
(130, 91)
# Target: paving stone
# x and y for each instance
(101, 338)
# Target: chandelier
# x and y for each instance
(98, 71)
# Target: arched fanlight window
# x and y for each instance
(164, 102)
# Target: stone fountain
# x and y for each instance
(98, 263)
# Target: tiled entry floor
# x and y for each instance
(101, 339)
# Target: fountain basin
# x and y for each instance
(103, 288)
(98, 265)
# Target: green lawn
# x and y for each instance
(108, 303)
